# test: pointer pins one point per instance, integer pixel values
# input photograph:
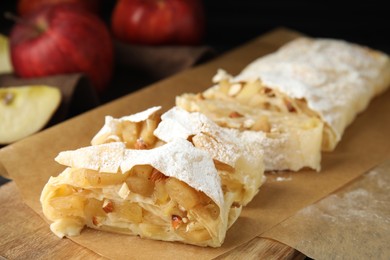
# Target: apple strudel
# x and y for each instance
(307, 87)
(161, 187)
(171, 193)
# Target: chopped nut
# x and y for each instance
(223, 166)
(200, 96)
(95, 221)
(176, 221)
(267, 106)
(157, 176)
(269, 92)
(289, 106)
(236, 204)
(108, 206)
(140, 144)
(234, 89)
(235, 114)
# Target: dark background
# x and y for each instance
(231, 23)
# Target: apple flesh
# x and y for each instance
(62, 39)
(26, 110)
(158, 22)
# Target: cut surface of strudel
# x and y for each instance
(330, 79)
(175, 177)
(171, 193)
(239, 162)
(288, 141)
(237, 157)
(135, 131)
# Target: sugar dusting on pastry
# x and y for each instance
(112, 125)
(178, 123)
(225, 145)
(322, 71)
(178, 159)
(141, 116)
(104, 158)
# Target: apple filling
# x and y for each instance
(290, 140)
(142, 201)
(257, 95)
(135, 133)
(209, 176)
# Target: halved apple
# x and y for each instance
(26, 110)
(5, 57)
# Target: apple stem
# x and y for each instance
(19, 20)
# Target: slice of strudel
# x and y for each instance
(172, 193)
(330, 79)
(287, 141)
(137, 178)
(238, 160)
(306, 87)
(237, 157)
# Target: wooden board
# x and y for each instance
(24, 235)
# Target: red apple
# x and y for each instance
(60, 39)
(158, 22)
(27, 6)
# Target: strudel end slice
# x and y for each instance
(330, 79)
(172, 193)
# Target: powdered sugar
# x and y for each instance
(206, 135)
(112, 126)
(105, 157)
(225, 145)
(178, 159)
(338, 79)
(141, 116)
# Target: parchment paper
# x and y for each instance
(352, 223)
(365, 144)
